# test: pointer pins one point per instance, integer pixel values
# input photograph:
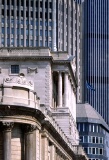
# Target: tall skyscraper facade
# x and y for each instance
(33, 23)
(95, 55)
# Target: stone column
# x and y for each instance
(7, 127)
(29, 141)
(60, 89)
(44, 148)
(65, 89)
(53, 152)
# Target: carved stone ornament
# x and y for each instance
(7, 125)
(19, 81)
(29, 70)
(29, 128)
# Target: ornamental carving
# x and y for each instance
(29, 128)
(7, 125)
(29, 70)
(19, 81)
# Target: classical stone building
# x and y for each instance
(38, 106)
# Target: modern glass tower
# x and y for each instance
(96, 55)
(33, 23)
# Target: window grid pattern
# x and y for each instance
(38, 23)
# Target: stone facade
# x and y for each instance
(38, 106)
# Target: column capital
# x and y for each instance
(29, 128)
(7, 125)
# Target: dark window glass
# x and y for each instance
(36, 14)
(93, 150)
(8, 30)
(40, 32)
(21, 13)
(8, 41)
(40, 14)
(12, 2)
(22, 2)
(22, 32)
(46, 5)
(81, 127)
(41, 4)
(50, 24)
(41, 44)
(93, 139)
(36, 3)
(14, 68)
(50, 15)
(17, 13)
(36, 32)
(85, 139)
(8, 2)
(27, 14)
(46, 15)
(32, 14)
(17, 2)
(86, 150)
(36, 43)
(46, 33)
(7, 12)
(12, 13)
(27, 42)
(101, 140)
(12, 30)
(50, 5)
(3, 30)
(27, 3)
(31, 3)
(96, 139)
(2, 12)
(101, 151)
(3, 2)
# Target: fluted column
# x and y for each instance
(29, 141)
(65, 89)
(60, 89)
(7, 127)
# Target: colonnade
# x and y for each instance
(28, 132)
(47, 149)
(62, 99)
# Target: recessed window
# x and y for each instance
(14, 69)
(101, 151)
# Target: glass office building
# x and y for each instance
(94, 132)
(96, 53)
(33, 23)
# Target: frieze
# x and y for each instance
(20, 81)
